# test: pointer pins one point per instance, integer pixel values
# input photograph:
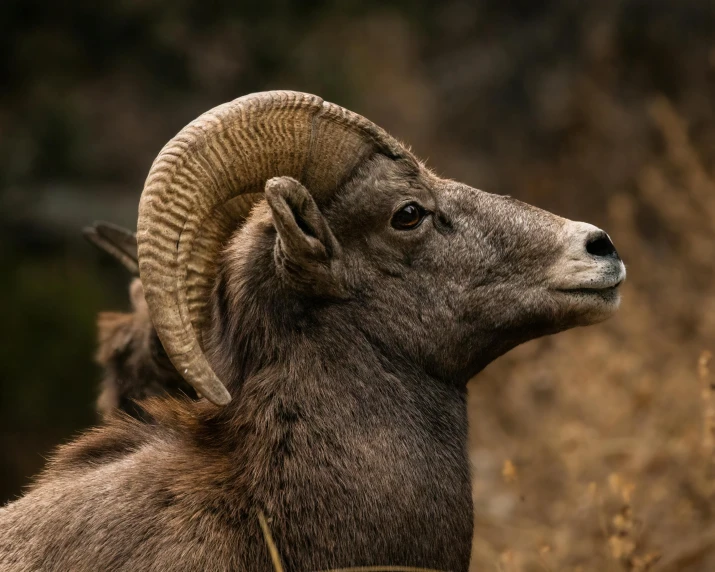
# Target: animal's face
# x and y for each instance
(450, 276)
(478, 275)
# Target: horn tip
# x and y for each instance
(218, 395)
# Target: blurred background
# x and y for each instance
(592, 450)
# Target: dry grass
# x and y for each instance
(594, 450)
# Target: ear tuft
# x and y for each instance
(281, 185)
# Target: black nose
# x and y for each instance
(600, 245)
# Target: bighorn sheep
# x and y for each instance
(332, 328)
(134, 361)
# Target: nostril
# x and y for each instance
(601, 245)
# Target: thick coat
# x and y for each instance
(345, 331)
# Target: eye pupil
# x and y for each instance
(408, 217)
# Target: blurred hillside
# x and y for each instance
(591, 449)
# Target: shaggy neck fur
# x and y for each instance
(348, 450)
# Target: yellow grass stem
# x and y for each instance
(275, 557)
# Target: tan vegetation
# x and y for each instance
(593, 450)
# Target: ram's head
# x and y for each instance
(440, 274)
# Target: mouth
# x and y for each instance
(592, 302)
(592, 289)
(586, 279)
(602, 278)
(593, 293)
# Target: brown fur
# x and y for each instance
(135, 365)
(347, 346)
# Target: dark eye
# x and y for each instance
(408, 217)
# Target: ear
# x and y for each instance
(114, 333)
(307, 253)
(136, 295)
(116, 241)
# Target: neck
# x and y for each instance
(358, 455)
(340, 438)
(376, 452)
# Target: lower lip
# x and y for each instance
(592, 291)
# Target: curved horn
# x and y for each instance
(203, 185)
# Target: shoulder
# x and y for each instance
(118, 438)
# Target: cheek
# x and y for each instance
(515, 265)
(500, 306)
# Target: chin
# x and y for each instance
(590, 306)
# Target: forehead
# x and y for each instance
(379, 186)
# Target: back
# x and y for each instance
(124, 497)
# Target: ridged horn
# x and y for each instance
(202, 186)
